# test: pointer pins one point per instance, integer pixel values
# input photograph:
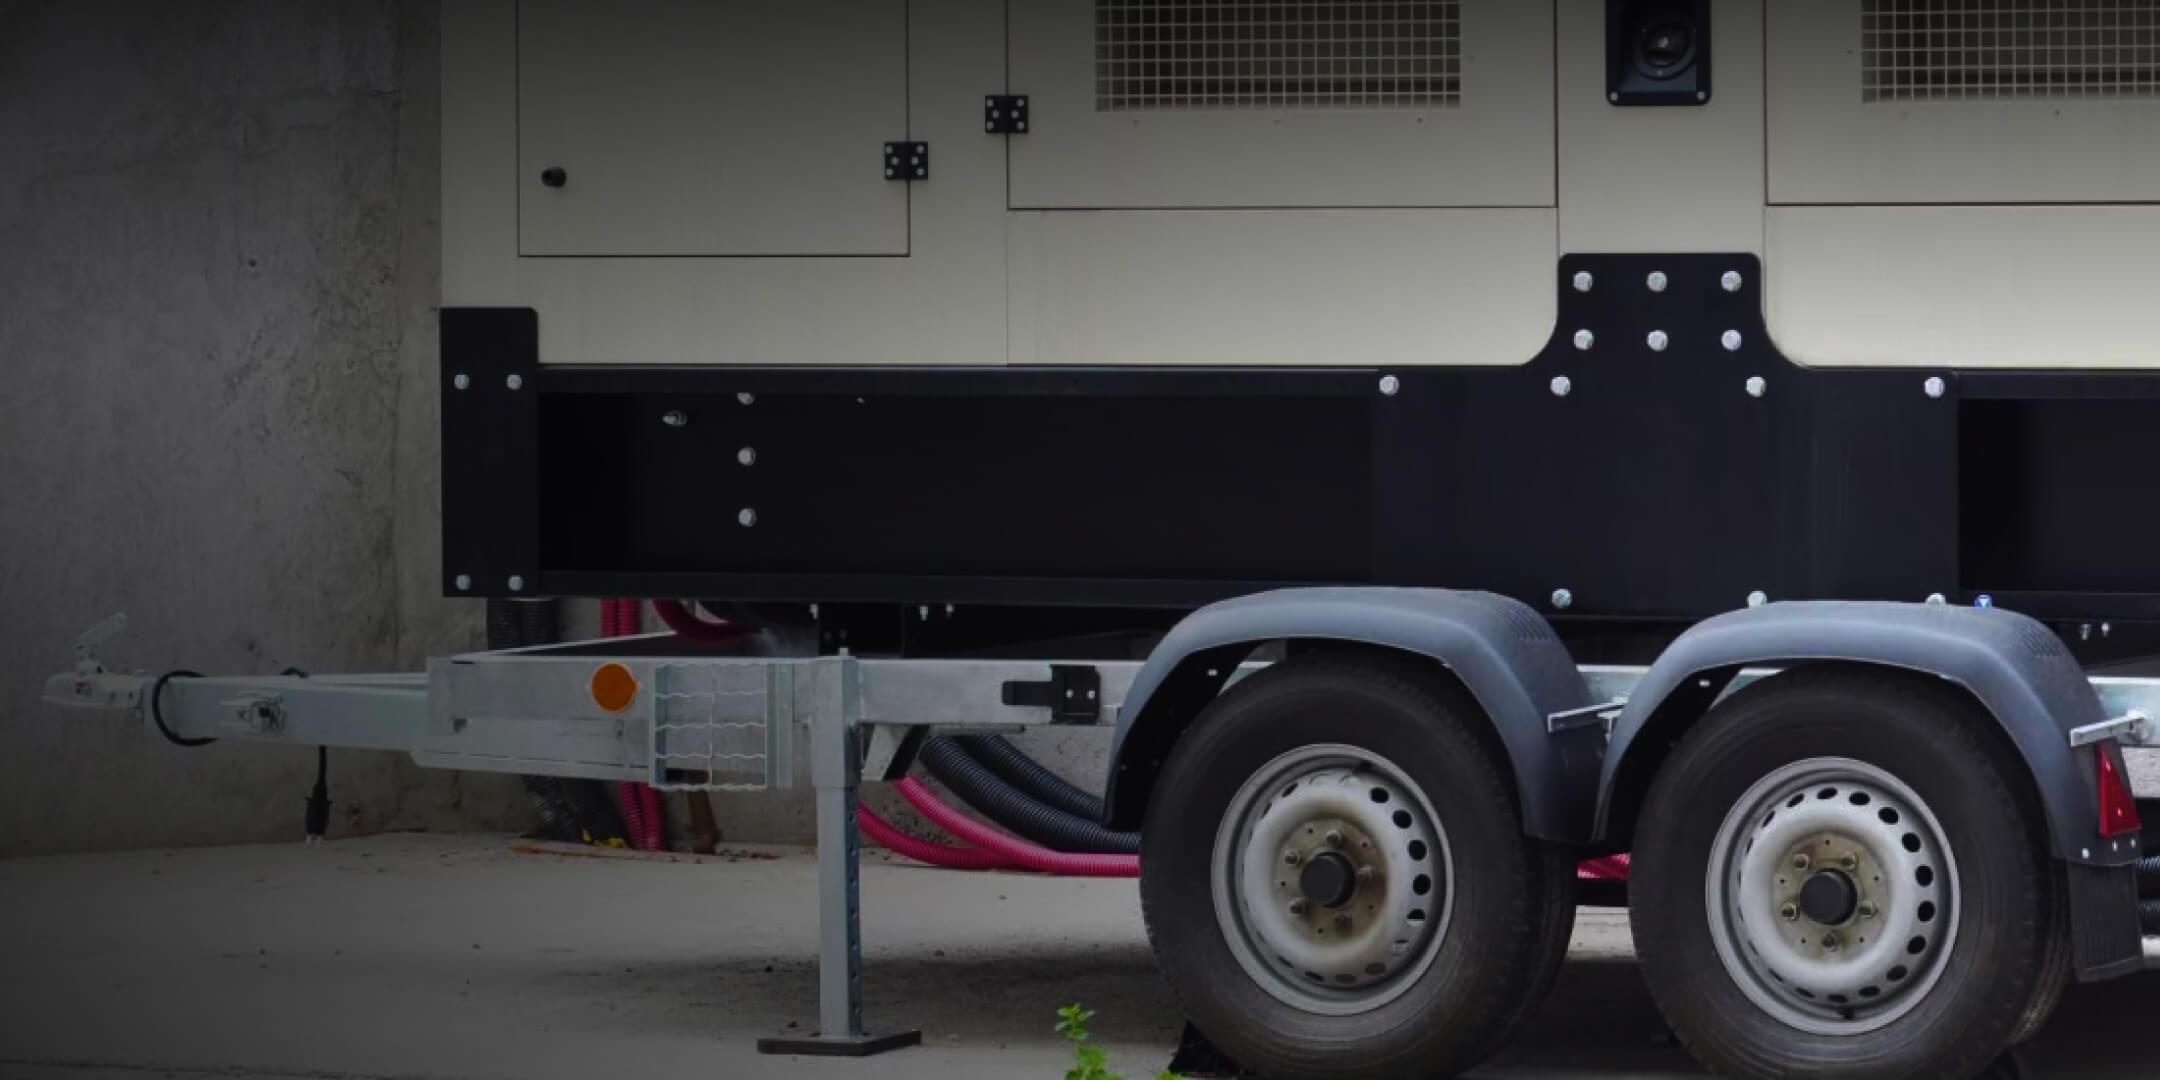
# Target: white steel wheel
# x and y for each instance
(1336, 880)
(1832, 896)
(1332, 879)
(1843, 873)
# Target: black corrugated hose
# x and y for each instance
(1012, 765)
(1001, 802)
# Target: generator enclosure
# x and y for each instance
(1627, 308)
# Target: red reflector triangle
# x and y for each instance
(2118, 810)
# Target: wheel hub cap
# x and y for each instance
(1328, 880)
(1829, 898)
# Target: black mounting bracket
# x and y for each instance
(907, 161)
(1005, 114)
(1073, 694)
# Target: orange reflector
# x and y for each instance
(2118, 810)
(613, 687)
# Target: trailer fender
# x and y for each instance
(1500, 650)
(2013, 666)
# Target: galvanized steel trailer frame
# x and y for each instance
(713, 722)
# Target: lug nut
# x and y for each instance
(1830, 940)
(1801, 861)
(1290, 858)
(1297, 906)
(1789, 912)
(1866, 909)
(1342, 920)
(1366, 873)
(1848, 861)
(1333, 838)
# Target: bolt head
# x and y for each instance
(746, 517)
(1933, 386)
(1389, 384)
(1756, 387)
(1561, 384)
(1867, 909)
(1290, 858)
(675, 418)
(1801, 861)
(1333, 838)
(516, 583)
(1583, 281)
(1848, 861)
(1830, 940)
(1562, 599)
(464, 582)
(1757, 598)
(1584, 339)
(515, 381)
(746, 456)
(461, 380)
(1656, 281)
(1730, 281)
(1731, 340)
(1297, 906)
(1657, 341)
(746, 397)
(1789, 913)
(1367, 873)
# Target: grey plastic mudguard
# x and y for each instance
(1504, 653)
(2016, 668)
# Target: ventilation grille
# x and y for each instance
(1157, 54)
(1966, 50)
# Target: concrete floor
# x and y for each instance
(453, 956)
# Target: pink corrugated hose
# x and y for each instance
(923, 851)
(1023, 856)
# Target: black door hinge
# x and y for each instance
(907, 161)
(1005, 114)
(1073, 694)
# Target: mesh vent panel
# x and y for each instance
(1158, 54)
(1965, 50)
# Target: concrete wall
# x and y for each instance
(217, 278)
(219, 268)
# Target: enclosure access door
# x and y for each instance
(687, 127)
(1177, 103)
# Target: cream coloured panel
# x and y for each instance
(694, 127)
(1662, 179)
(1305, 287)
(1827, 145)
(943, 303)
(1964, 286)
(1493, 149)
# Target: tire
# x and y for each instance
(1901, 777)
(2054, 971)
(1354, 730)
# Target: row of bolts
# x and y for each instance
(1658, 340)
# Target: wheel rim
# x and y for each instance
(1832, 896)
(1332, 879)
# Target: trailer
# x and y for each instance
(1448, 440)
